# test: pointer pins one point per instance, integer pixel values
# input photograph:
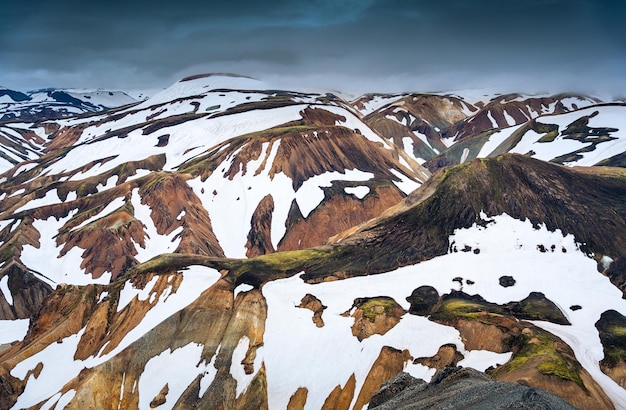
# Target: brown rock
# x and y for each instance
(160, 398)
(375, 315)
(260, 235)
(315, 305)
(447, 355)
(340, 398)
(298, 399)
(390, 362)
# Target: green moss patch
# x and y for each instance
(542, 347)
(377, 306)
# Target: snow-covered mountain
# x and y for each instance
(227, 244)
(57, 103)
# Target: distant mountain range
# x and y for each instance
(57, 103)
(226, 244)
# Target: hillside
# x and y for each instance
(228, 245)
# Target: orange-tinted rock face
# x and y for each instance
(173, 204)
(108, 243)
(336, 214)
(390, 362)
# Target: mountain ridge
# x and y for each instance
(250, 246)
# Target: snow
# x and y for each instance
(353, 122)
(494, 123)
(102, 296)
(358, 191)
(46, 258)
(59, 400)
(496, 139)
(579, 102)
(405, 120)
(479, 359)
(242, 288)
(198, 86)
(154, 244)
(19, 192)
(58, 369)
(406, 184)
(583, 338)
(375, 103)
(299, 354)
(210, 371)
(464, 155)
(609, 116)
(129, 292)
(310, 194)
(103, 98)
(111, 206)
(25, 167)
(13, 330)
(237, 368)
(545, 150)
(448, 142)
(176, 368)
(508, 246)
(65, 399)
(507, 117)
(234, 202)
(4, 289)
(421, 137)
(50, 198)
(201, 132)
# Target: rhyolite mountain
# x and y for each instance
(228, 244)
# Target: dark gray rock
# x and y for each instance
(462, 388)
(506, 281)
(422, 300)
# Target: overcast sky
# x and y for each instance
(349, 45)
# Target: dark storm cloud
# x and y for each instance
(349, 44)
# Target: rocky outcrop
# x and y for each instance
(375, 316)
(338, 212)
(27, 292)
(462, 388)
(314, 305)
(612, 330)
(259, 238)
(446, 356)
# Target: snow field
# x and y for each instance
(298, 354)
(200, 133)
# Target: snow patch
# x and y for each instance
(4, 289)
(406, 184)
(13, 330)
(175, 368)
(358, 191)
(478, 359)
(129, 292)
(244, 287)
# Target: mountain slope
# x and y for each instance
(280, 352)
(225, 244)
